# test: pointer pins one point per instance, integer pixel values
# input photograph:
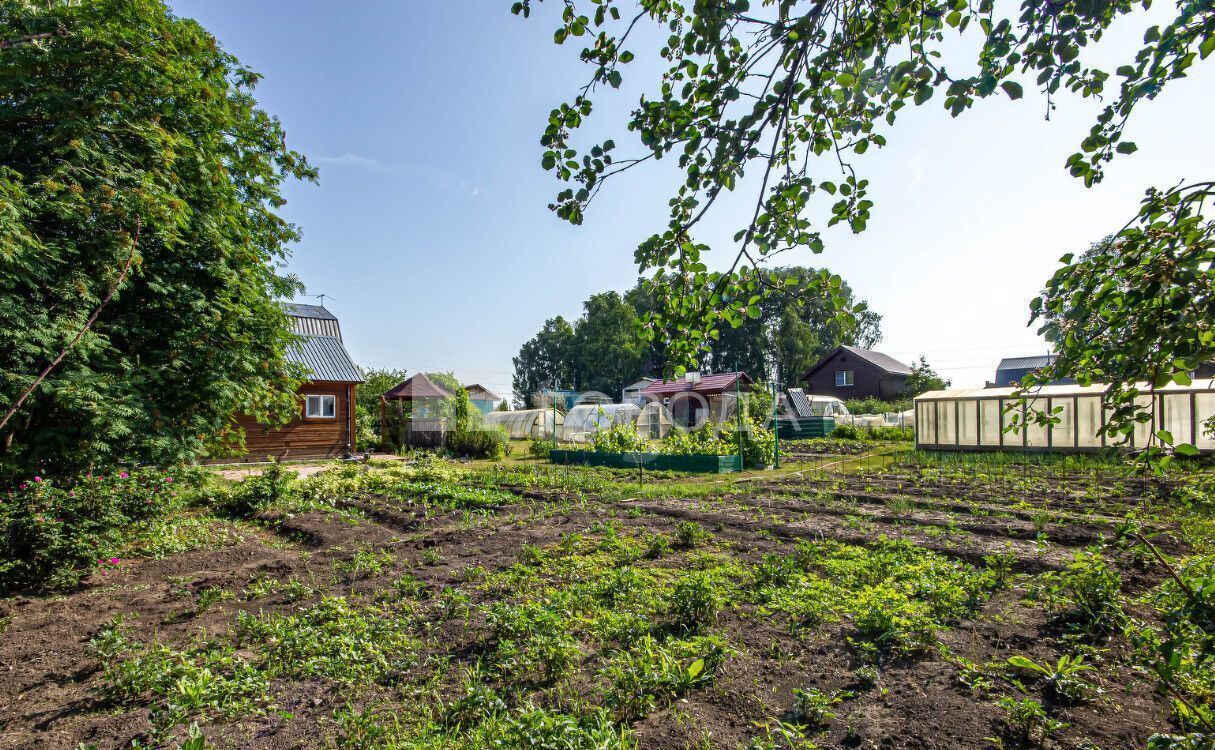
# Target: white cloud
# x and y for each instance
(353, 160)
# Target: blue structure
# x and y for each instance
(1012, 369)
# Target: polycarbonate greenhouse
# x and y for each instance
(654, 421)
(584, 420)
(976, 419)
(525, 424)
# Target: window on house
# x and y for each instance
(320, 407)
(843, 378)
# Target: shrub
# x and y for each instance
(54, 533)
(1089, 591)
(540, 449)
(759, 443)
(876, 405)
(273, 486)
(846, 432)
(695, 601)
(690, 534)
(619, 439)
(478, 443)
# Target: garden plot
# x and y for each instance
(443, 606)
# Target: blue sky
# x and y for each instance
(430, 233)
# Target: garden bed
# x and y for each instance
(697, 464)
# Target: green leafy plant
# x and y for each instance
(1064, 679)
(814, 707)
(1027, 721)
(695, 600)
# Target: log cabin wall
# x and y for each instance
(305, 437)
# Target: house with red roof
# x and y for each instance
(696, 396)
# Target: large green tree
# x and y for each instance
(608, 349)
(790, 94)
(116, 114)
(545, 360)
(795, 327)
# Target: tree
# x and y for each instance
(544, 360)
(923, 379)
(607, 349)
(795, 327)
(765, 92)
(118, 114)
(1136, 308)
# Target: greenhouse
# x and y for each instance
(526, 424)
(654, 421)
(977, 419)
(584, 420)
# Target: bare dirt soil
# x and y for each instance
(50, 676)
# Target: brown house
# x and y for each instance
(849, 372)
(325, 426)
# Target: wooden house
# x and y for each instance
(851, 372)
(325, 426)
(483, 399)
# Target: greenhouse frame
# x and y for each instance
(961, 420)
(526, 424)
(584, 420)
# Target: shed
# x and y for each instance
(525, 424)
(632, 393)
(482, 398)
(696, 397)
(976, 419)
(851, 372)
(325, 425)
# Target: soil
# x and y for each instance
(48, 674)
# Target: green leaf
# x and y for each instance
(1013, 89)
(695, 668)
(1165, 436)
(1127, 147)
(923, 93)
(1185, 449)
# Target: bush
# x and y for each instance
(272, 487)
(540, 449)
(846, 432)
(876, 405)
(54, 533)
(695, 601)
(619, 439)
(759, 443)
(478, 443)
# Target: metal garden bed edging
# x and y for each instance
(698, 463)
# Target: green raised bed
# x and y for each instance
(808, 427)
(702, 464)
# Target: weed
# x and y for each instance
(1064, 678)
(652, 673)
(695, 600)
(1027, 721)
(689, 534)
(814, 706)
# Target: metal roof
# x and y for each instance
(315, 312)
(325, 358)
(709, 384)
(1057, 391)
(1027, 363)
(418, 386)
(477, 387)
(877, 359)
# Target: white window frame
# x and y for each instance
(845, 378)
(314, 406)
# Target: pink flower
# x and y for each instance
(37, 479)
(123, 475)
(103, 572)
(22, 487)
(169, 480)
(113, 561)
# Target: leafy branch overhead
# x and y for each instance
(789, 93)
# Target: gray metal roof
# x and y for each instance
(877, 359)
(307, 311)
(325, 358)
(1027, 363)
